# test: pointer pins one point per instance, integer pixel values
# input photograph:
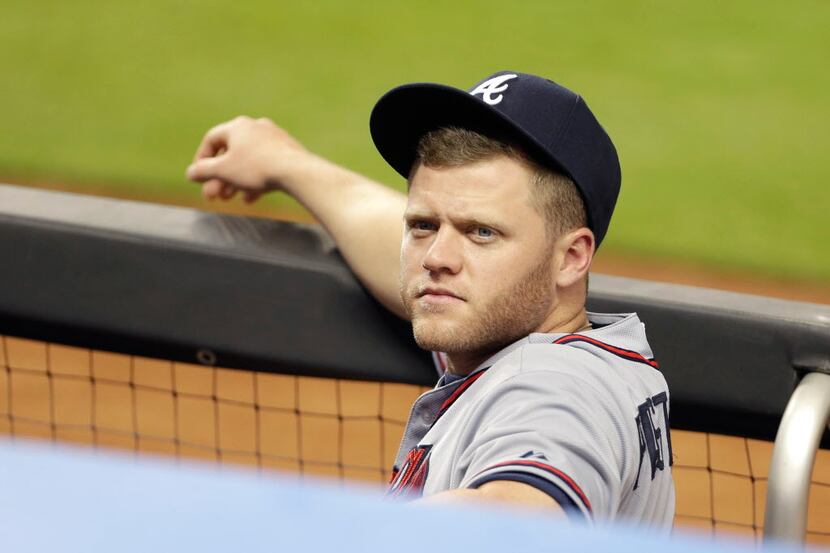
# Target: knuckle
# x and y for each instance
(266, 122)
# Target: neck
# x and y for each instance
(566, 324)
(463, 364)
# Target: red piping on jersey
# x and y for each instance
(458, 391)
(627, 354)
(547, 468)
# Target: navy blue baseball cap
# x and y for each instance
(552, 125)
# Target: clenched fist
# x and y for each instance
(252, 156)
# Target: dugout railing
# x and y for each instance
(110, 305)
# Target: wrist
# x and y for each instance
(294, 173)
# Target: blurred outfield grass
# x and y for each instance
(719, 109)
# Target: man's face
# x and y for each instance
(476, 264)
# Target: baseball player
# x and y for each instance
(511, 189)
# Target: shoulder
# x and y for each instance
(616, 350)
(577, 365)
(544, 370)
(550, 360)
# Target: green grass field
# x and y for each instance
(719, 109)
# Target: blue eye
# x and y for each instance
(484, 232)
(422, 226)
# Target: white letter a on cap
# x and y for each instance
(496, 85)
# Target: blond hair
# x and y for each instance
(553, 195)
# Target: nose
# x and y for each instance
(444, 254)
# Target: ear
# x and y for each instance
(575, 251)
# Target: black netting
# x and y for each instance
(315, 426)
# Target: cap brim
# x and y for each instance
(405, 114)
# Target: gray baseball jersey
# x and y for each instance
(582, 417)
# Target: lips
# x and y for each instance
(438, 292)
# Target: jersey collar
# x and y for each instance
(622, 329)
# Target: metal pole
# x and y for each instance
(796, 443)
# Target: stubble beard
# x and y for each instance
(511, 315)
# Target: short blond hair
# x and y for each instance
(553, 195)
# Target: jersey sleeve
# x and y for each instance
(554, 431)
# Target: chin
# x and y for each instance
(463, 335)
(432, 333)
(447, 336)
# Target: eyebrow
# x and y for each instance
(418, 214)
(462, 221)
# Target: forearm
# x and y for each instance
(507, 493)
(364, 217)
(255, 156)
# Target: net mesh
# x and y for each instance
(322, 427)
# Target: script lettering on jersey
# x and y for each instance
(496, 85)
(411, 477)
(651, 435)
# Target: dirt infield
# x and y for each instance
(679, 272)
